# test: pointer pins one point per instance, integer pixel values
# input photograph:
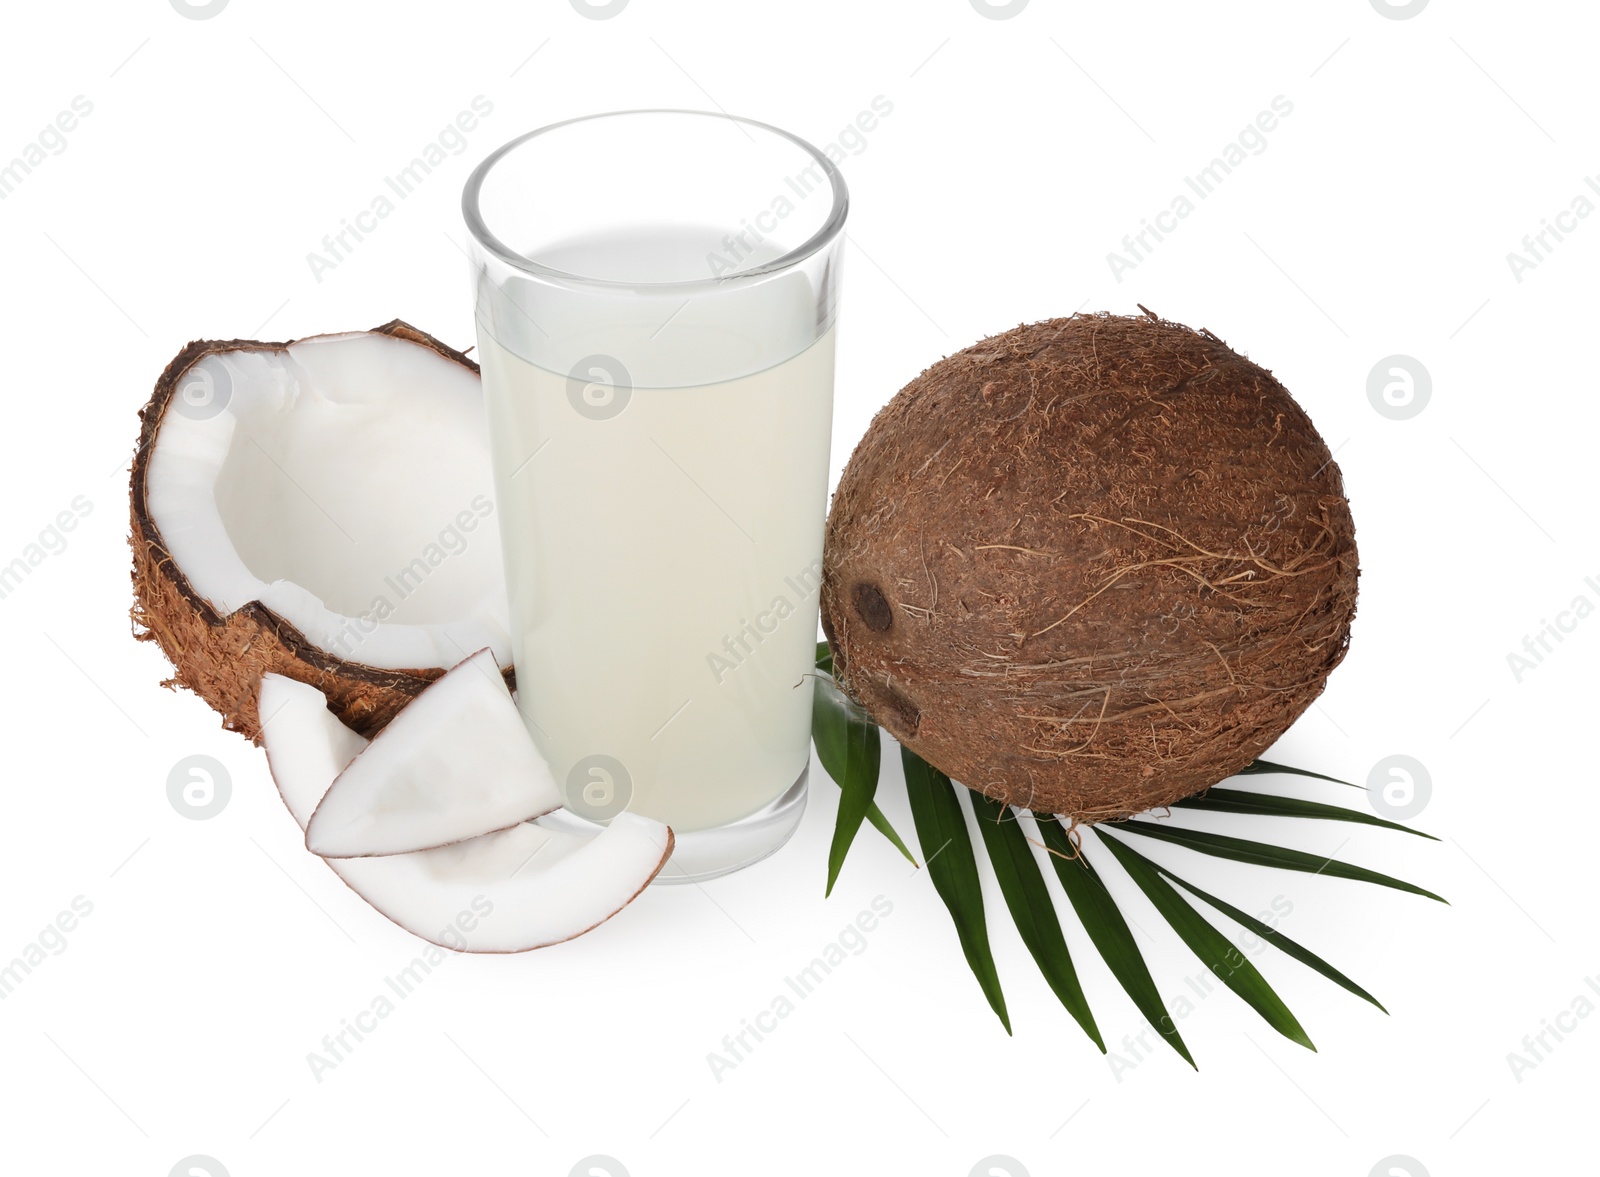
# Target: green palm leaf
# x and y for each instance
(1258, 767)
(1261, 854)
(840, 729)
(1108, 930)
(1219, 800)
(849, 748)
(1276, 938)
(1028, 899)
(1214, 949)
(947, 851)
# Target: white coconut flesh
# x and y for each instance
(345, 483)
(456, 762)
(525, 887)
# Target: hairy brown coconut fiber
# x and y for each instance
(1090, 566)
(222, 659)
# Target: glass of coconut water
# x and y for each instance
(656, 299)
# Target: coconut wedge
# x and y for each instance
(509, 891)
(456, 762)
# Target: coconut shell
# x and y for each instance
(222, 659)
(1090, 566)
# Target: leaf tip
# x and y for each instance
(998, 1003)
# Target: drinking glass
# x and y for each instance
(657, 293)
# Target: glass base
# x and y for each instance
(708, 854)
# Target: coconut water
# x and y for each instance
(663, 539)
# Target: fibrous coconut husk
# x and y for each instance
(1090, 566)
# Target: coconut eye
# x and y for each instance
(872, 607)
(905, 715)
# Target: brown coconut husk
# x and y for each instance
(1090, 566)
(222, 659)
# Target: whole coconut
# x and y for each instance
(1090, 566)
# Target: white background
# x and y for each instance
(1019, 152)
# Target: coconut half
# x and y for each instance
(454, 763)
(510, 891)
(321, 509)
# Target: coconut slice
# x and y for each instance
(322, 509)
(455, 763)
(509, 891)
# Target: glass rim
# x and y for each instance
(829, 230)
